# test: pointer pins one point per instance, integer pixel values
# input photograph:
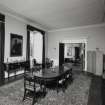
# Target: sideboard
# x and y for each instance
(14, 67)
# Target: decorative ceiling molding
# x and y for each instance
(79, 27)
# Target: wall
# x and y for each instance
(94, 34)
(15, 26)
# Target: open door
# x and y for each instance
(61, 54)
(77, 53)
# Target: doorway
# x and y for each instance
(61, 54)
(75, 52)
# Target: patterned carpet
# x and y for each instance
(75, 94)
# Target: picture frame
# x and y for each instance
(69, 51)
(16, 45)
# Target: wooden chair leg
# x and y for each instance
(34, 99)
(64, 86)
(57, 86)
(24, 94)
(8, 75)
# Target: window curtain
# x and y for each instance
(36, 46)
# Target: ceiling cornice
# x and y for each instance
(79, 27)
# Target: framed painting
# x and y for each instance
(16, 45)
(69, 51)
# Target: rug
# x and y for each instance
(75, 94)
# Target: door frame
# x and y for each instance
(78, 41)
(2, 48)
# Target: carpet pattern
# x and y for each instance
(75, 94)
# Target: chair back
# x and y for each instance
(34, 62)
(29, 82)
(39, 80)
(27, 66)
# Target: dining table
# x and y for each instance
(51, 75)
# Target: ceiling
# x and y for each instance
(58, 14)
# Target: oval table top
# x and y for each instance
(51, 72)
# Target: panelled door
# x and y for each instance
(61, 54)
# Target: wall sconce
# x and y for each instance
(54, 48)
(97, 49)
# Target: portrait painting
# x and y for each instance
(16, 45)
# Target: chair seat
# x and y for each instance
(37, 88)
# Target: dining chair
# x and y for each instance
(63, 80)
(31, 88)
(36, 65)
(69, 74)
(26, 66)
